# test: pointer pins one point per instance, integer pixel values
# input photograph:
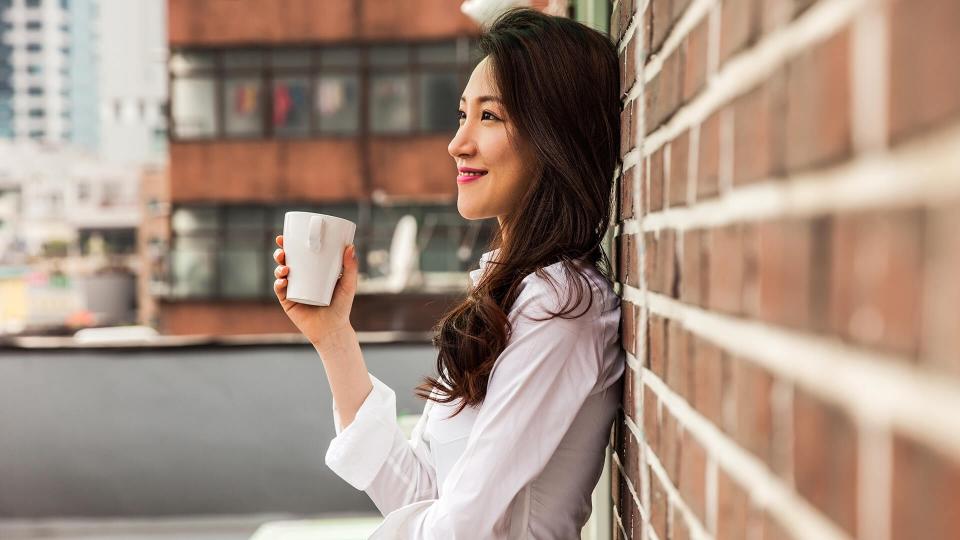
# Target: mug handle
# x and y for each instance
(315, 232)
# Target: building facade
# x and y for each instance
(48, 87)
(342, 107)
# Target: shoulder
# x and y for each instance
(566, 286)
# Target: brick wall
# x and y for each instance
(788, 255)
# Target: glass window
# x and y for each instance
(291, 58)
(243, 219)
(243, 272)
(389, 55)
(244, 58)
(338, 103)
(34, 47)
(35, 91)
(439, 96)
(242, 102)
(186, 62)
(194, 220)
(33, 3)
(437, 53)
(194, 107)
(34, 25)
(390, 103)
(340, 57)
(193, 266)
(291, 109)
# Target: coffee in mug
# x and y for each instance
(313, 245)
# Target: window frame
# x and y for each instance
(268, 73)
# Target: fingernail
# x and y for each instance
(353, 251)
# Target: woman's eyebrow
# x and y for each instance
(481, 99)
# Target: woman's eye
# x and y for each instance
(486, 115)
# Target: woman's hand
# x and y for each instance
(320, 324)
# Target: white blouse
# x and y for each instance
(522, 465)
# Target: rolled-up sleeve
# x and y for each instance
(372, 453)
(539, 383)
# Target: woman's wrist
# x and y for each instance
(336, 339)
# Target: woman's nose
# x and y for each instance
(462, 144)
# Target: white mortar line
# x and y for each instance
(695, 12)
(874, 482)
(711, 493)
(752, 66)
(633, 490)
(767, 490)
(921, 172)
(696, 528)
(873, 387)
(869, 75)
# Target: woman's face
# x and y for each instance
(492, 173)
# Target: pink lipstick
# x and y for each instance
(468, 174)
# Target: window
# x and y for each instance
(34, 47)
(283, 92)
(243, 113)
(194, 107)
(37, 113)
(390, 103)
(226, 251)
(34, 25)
(34, 69)
(35, 91)
(338, 103)
(291, 108)
(33, 3)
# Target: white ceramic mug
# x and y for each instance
(313, 247)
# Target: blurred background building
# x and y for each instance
(341, 107)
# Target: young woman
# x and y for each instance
(512, 438)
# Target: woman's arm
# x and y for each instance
(346, 372)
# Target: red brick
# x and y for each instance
(726, 269)
(818, 104)
(678, 361)
(785, 268)
(629, 401)
(658, 505)
(628, 64)
(679, 157)
(651, 420)
(628, 186)
(941, 318)
(877, 278)
(750, 297)
(658, 345)
(825, 459)
(628, 326)
(924, 72)
(661, 20)
(695, 59)
(656, 180)
(627, 263)
(679, 529)
(732, 502)
(708, 170)
(670, 452)
(693, 475)
(692, 274)
(752, 391)
(738, 26)
(626, 129)
(758, 132)
(665, 278)
(707, 368)
(925, 494)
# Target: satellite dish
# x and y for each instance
(404, 256)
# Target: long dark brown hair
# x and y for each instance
(559, 83)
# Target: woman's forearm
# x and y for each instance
(346, 372)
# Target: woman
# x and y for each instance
(512, 438)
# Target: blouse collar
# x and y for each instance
(484, 259)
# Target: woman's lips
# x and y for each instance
(469, 176)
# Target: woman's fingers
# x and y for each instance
(280, 287)
(281, 271)
(279, 256)
(280, 240)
